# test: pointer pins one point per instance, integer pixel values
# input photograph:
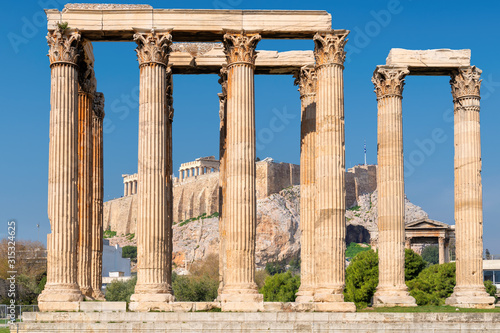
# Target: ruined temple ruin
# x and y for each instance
(75, 155)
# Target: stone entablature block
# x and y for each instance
(115, 23)
(429, 62)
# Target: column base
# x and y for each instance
(331, 300)
(98, 295)
(304, 295)
(391, 297)
(240, 299)
(471, 297)
(60, 297)
(87, 292)
(151, 302)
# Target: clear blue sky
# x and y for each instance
(25, 86)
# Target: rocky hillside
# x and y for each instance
(278, 234)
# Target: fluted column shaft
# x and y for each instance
(240, 201)
(168, 172)
(330, 226)
(306, 80)
(391, 290)
(222, 175)
(97, 196)
(85, 107)
(63, 171)
(152, 221)
(469, 290)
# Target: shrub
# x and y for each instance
(431, 254)
(189, 288)
(120, 291)
(414, 264)
(275, 267)
(353, 249)
(281, 287)
(362, 278)
(260, 278)
(491, 289)
(433, 285)
(109, 234)
(129, 251)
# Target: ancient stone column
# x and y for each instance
(240, 291)
(391, 290)
(86, 91)
(168, 174)
(61, 291)
(441, 250)
(222, 175)
(306, 80)
(330, 228)
(152, 291)
(125, 189)
(469, 291)
(97, 196)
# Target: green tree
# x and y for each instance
(414, 264)
(354, 248)
(120, 291)
(275, 267)
(362, 278)
(431, 254)
(129, 251)
(433, 285)
(487, 254)
(281, 287)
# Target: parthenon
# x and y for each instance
(225, 43)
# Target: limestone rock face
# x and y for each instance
(278, 233)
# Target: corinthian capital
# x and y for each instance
(153, 47)
(240, 47)
(466, 82)
(389, 81)
(99, 105)
(329, 47)
(63, 46)
(306, 80)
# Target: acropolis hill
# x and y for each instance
(278, 211)
(197, 194)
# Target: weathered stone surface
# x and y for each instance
(429, 62)
(278, 321)
(115, 23)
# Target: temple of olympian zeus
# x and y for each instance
(164, 48)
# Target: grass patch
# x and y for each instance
(201, 217)
(109, 233)
(4, 330)
(130, 236)
(426, 308)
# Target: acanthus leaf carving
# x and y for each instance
(306, 80)
(63, 46)
(153, 47)
(389, 81)
(240, 47)
(329, 47)
(466, 82)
